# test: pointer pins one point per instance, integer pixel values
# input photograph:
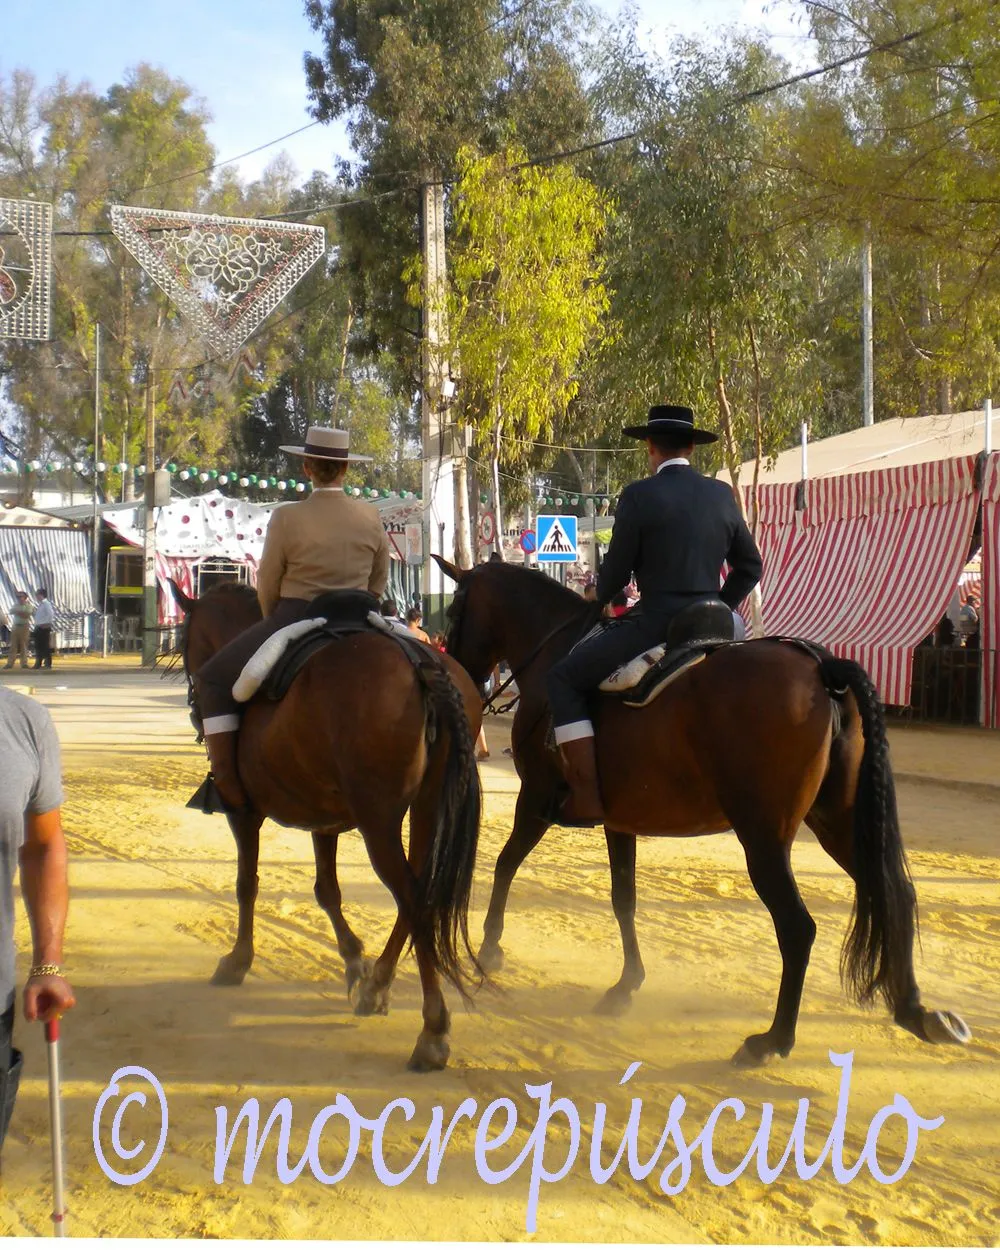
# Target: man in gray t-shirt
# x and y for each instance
(30, 832)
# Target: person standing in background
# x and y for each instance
(20, 624)
(45, 618)
(30, 832)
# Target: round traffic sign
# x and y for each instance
(528, 542)
(487, 528)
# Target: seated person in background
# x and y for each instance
(390, 611)
(945, 632)
(414, 619)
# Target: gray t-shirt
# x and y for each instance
(29, 783)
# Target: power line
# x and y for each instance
(565, 153)
(207, 169)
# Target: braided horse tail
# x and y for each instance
(445, 883)
(878, 951)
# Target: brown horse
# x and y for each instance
(758, 738)
(359, 739)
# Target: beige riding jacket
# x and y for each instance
(327, 542)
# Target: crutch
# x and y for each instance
(55, 1123)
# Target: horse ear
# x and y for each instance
(183, 602)
(452, 570)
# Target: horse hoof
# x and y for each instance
(372, 1000)
(614, 1003)
(491, 958)
(757, 1052)
(230, 972)
(430, 1053)
(358, 971)
(945, 1027)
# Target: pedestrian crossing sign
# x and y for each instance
(556, 540)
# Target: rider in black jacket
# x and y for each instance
(673, 531)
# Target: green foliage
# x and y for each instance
(527, 296)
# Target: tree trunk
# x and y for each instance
(463, 546)
(924, 400)
(495, 471)
(733, 463)
(730, 449)
(944, 382)
(758, 432)
(343, 360)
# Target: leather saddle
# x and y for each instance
(694, 633)
(346, 612)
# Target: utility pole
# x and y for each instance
(150, 618)
(96, 532)
(437, 430)
(866, 329)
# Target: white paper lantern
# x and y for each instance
(282, 485)
(184, 475)
(244, 482)
(101, 467)
(203, 477)
(300, 487)
(224, 479)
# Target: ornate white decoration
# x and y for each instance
(226, 274)
(25, 270)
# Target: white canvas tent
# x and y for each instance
(885, 445)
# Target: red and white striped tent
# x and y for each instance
(867, 563)
(866, 554)
(989, 616)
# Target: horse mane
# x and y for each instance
(545, 591)
(230, 590)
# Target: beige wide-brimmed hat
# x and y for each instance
(325, 443)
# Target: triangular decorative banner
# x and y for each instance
(226, 274)
(25, 270)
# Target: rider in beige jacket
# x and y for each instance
(327, 542)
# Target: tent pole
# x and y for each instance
(868, 369)
(988, 413)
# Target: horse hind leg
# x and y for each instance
(621, 856)
(767, 856)
(233, 968)
(398, 874)
(357, 967)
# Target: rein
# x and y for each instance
(515, 673)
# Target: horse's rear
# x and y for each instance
(742, 739)
(364, 734)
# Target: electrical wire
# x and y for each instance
(745, 97)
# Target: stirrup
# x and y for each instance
(553, 811)
(209, 800)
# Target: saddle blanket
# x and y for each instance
(269, 654)
(629, 675)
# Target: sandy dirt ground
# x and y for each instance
(153, 909)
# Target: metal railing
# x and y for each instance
(947, 686)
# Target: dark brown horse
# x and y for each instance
(758, 738)
(358, 740)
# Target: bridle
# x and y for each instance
(457, 607)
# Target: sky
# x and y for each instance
(244, 57)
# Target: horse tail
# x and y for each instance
(877, 957)
(445, 884)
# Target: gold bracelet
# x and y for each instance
(45, 970)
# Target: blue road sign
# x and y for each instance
(556, 539)
(528, 542)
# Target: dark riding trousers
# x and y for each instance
(574, 678)
(674, 531)
(215, 680)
